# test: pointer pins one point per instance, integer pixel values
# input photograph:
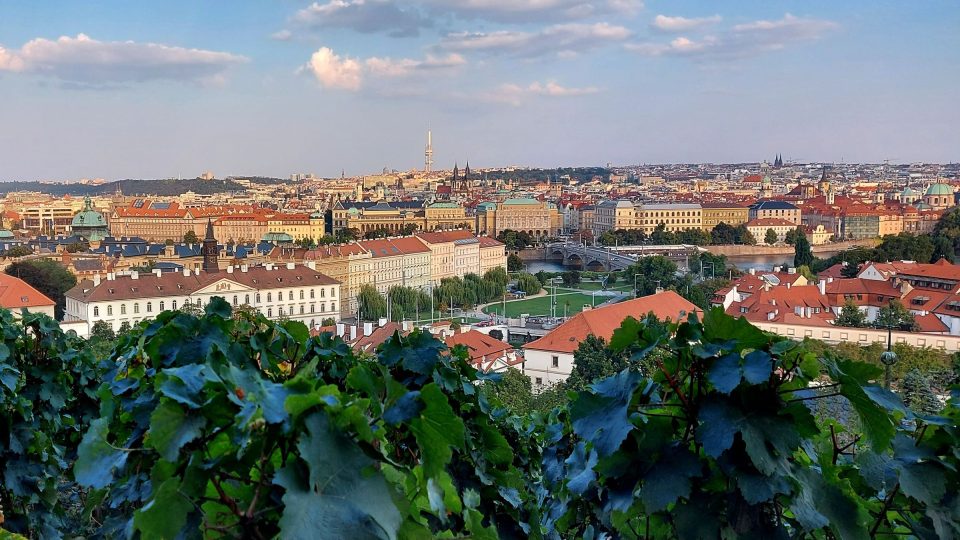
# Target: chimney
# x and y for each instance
(382, 322)
(230, 269)
(353, 333)
(134, 274)
(340, 329)
(367, 328)
(753, 271)
(788, 284)
(158, 272)
(405, 326)
(110, 276)
(186, 272)
(312, 265)
(96, 280)
(269, 266)
(798, 310)
(791, 270)
(291, 266)
(822, 285)
(243, 268)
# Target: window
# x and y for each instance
(301, 309)
(312, 308)
(149, 307)
(136, 307)
(289, 295)
(269, 312)
(280, 311)
(246, 299)
(173, 305)
(301, 294)
(539, 381)
(234, 300)
(311, 294)
(258, 298)
(123, 309)
(555, 361)
(333, 293)
(96, 311)
(269, 297)
(109, 311)
(323, 293)
(162, 305)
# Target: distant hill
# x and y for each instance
(167, 187)
(532, 176)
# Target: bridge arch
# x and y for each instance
(596, 266)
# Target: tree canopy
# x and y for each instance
(47, 276)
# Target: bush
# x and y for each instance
(528, 284)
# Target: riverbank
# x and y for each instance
(823, 249)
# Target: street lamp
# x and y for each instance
(888, 358)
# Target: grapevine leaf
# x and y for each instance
(166, 513)
(756, 367)
(601, 414)
(878, 425)
(885, 398)
(818, 504)
(218, 307)
(924, 482)
(185, 383)
(724, 374)
(96, 458)
(250, 387)
(475, 526)
(718, 326)
(694, 521)
(4, 352)
(718, 424)
(626, 334)
(757, 489)
(9, 376)
(669, 479)
(580, 466)
(171, 428)
(339, 497)
(405, 408)
(436, 429)
(495, 447)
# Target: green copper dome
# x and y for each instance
(88, 217)
(939, 189)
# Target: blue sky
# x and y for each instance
(154, 89)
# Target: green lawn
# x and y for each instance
(541, 305)
(595, 286)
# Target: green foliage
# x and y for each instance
(850, 315)
(471, 290)
(528, 284)
(570, 278)
(514, 263)
(651, 272)
(515, 239)
(190, 237)
(47, 394)
(47, 276)
(802, 254)
(771, 237)
(895, 315)
(370, 304)
(593, 361)
(708, 265)
(18, 251)
(917, 393)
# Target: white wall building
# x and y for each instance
(290, 291)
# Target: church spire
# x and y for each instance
(209, 250)
(456, 171)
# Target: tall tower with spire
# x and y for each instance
(209, 250)
(428, 153)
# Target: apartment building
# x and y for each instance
(775, 209)
(296, 292)
(715, 213)
(398, 261)
(536, 218)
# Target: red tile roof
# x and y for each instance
(484, 350)
(16, 294)
(601, 322)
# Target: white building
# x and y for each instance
(295, 292)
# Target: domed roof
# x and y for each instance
(939, 189)
(907, 192)
(88, 217)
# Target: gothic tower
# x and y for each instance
(209, 250)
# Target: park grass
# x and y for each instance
(540, 306)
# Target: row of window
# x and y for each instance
(173, 306)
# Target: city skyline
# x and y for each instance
(111, 90)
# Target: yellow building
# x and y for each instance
(240, 228)
(614, 216)
(349, 264)
(398, 217)
(716, 213)
(890, 223)
(536, 218)
(298, 226)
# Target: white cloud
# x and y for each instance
(682, 24)
(525, 11)
(332, 71)
(282, 35)
(366, 16)
(748, 39)
(515, 94)
(560, 39)
(86, 61)
(346, 73)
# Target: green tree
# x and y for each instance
(850, 315)
(47, 276)
(943, 248)
(514, 263)
(528, 284)
(370, 304)
(76, 247)
(917, 393)
(593, 361)
(496, 334)
(329, 321)
(723, 234)
(771, 237)
(18, 251)
(571, 278)
(895, 315)
(791, 237)
(742, 235)
(190, 237)
(802, 254)
(651, 272)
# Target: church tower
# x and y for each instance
(209, 250)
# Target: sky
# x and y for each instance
(151, 89)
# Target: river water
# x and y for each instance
(743, 262)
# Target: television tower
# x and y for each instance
(428, 154)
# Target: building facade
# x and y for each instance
(729, 213)
(290, 291)
(775, 210)
(537, 218)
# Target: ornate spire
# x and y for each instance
(209, 235)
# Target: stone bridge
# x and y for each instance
(605, 259)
